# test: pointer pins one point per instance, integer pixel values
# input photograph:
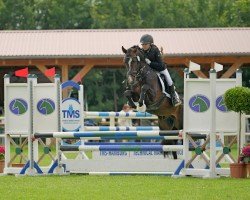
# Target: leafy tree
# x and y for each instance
(238, 99)
(63, 14)
(115, 14)
(17, 15)
(241, 13)
(99, 89)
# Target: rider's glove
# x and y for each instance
(147, 61)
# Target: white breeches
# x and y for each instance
(167, 76)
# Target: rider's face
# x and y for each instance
(145, 46)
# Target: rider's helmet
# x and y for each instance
(146, 39)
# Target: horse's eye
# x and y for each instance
(126, 59)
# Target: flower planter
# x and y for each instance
(1, 166)
(248, 169)
(17, 164)
(238, 170)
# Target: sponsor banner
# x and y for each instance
(70, 112)
(132, 154)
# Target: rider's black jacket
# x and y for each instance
(154, 55)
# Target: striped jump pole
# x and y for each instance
(122, 143)
(112, 143)
(119, 134)
(119, 114)
(121, 147)
(121, 128)
(99, 135)
(120, 137)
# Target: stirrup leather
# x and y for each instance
(175, 99)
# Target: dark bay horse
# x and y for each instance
(143, 86)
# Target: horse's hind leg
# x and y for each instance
(144, 89)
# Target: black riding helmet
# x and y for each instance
(145, 39)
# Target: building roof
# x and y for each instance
(108, 42)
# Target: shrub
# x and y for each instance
(238, 99)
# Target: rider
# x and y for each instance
(154, 60)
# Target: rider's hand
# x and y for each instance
(147, 61)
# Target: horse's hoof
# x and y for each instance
(141, 108)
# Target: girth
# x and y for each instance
(156, 105)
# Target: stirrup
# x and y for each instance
(175, 101)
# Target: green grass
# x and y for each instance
(122, 187)
(119, 187)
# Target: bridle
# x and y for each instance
(140, 63)
(136, 74)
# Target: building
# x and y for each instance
(88, 49)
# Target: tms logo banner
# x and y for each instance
(71, 120)
(18, 106)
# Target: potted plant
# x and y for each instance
(2, 153)
(237, 100)
(245, 157)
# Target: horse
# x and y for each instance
(144, 87)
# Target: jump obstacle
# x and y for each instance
(33, 122)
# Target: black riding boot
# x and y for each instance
(174, 96)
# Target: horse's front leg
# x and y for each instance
(128, 95)
(144, 89)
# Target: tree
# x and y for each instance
(99, 88)
(115, 14)
(240, 13)
(17, 15)
(238, 100)
(63, 14)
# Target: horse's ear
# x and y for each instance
(124, 50)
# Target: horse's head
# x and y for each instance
(133, 60)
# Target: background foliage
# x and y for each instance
(78, 14)
(107, 14)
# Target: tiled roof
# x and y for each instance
(108, 42)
